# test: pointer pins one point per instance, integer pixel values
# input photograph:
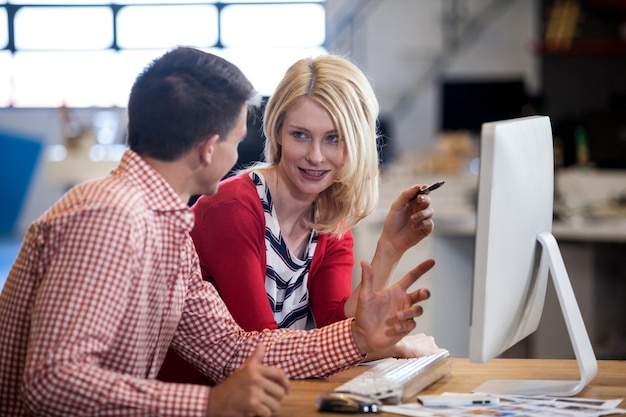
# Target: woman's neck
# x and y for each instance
(292, 213)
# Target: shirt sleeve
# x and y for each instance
(75, 364)
(229, 237)
(330, 279)
(209, 337)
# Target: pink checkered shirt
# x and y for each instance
(104, 282)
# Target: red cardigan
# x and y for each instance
(229, 235)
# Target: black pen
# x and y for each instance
(431, 187)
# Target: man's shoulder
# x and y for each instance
(107, 193)
(117, 190)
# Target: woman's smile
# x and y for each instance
(316, 174)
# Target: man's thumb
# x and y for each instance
(367, 276)
(258, 354)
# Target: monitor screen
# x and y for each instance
(606, 136)
(515, 252)
(468, 103)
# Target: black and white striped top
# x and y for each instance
(285, 274)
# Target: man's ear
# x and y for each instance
(207, 149)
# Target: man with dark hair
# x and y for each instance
(108, 278)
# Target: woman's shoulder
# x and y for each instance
(236, 184)
(333, 242)
(238, 189)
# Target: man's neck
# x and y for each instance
(176, 173)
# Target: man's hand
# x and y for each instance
(385, 317)
(252, 390)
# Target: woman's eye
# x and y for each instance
(298, 134)
(333, 138)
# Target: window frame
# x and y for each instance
(13, 8)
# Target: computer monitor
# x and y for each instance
(513, 231)
(606, 137)
(467, 103)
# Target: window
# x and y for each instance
(82, 53)
(277, 25)
(4, 28)
(166, 26)
(59, 28)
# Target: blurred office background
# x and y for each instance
(440, 69)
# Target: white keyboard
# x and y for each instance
(396, 380)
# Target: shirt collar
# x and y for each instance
(158, 194)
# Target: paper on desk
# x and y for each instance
(517, 406)
(411, 409)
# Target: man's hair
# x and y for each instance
(340, 87)
(181, 99)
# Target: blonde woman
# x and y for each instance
(276, 239)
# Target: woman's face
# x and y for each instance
(312, 151)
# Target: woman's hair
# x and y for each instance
(182, 98)
(341, 88)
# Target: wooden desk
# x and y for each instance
(610, 383)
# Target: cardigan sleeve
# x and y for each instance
(330, 278)
(229, 238)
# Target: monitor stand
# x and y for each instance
(583, 350)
